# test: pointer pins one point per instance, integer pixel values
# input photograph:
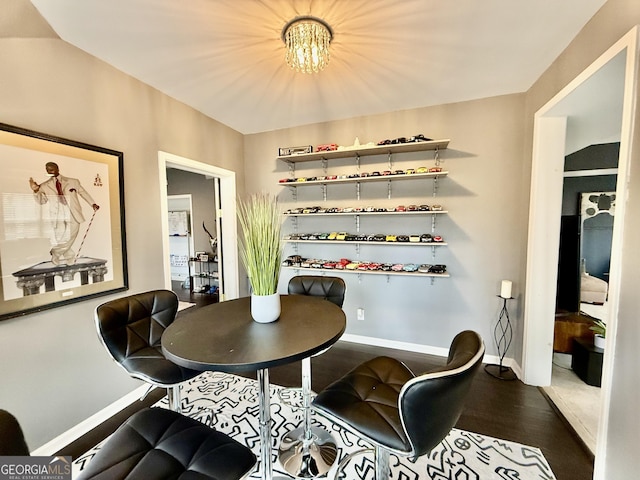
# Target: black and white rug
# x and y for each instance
(232, 402)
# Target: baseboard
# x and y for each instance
(90, 423)
(426, 349)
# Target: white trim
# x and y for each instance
(542, 258)
(426, 349)
(591, 173)
(229, 234)
(90, 423)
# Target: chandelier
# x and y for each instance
(307, 40)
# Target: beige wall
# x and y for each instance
(54, 372)
(483, 226)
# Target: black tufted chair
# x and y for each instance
(383, 402)
(157, 444)
(131, 328)
(309, 452)
(12, 442)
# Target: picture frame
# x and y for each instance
(62, 223)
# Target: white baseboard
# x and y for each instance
(426, 349)
(90, 423)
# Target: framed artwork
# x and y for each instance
(62, 230)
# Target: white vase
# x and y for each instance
(598, 341)
(265, 308)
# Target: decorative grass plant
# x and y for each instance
(599, 327)
(260, 241)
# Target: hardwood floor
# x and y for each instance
(508, 410)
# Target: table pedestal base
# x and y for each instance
(265, 426)
(310, 458)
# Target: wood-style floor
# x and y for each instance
(503, 409)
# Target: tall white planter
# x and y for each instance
(265, 308)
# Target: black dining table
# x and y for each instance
(224, 337)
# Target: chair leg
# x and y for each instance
(173, 393)
(347, 458)
(382, 463)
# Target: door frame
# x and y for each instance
(544, 232)
(229, 229)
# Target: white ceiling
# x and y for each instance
(225, 58)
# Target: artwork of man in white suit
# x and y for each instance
(61, 193)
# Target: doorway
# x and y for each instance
(557, 125)
(224, 205)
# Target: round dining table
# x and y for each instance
(224, 337)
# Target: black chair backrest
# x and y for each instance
(129, 324)
(431, 403)
(329, 288)
(12, 442)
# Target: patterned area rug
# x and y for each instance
(232, 403)
(184, 305)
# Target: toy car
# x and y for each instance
(438, 268)
(419, 138)
(327, 147)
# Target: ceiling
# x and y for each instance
(225, 58)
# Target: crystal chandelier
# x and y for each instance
(307, 40)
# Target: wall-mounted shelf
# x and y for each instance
(366, 242)
(389, 175)
(345, 214)
(377, 178)
(368, 151)
(371, 272)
